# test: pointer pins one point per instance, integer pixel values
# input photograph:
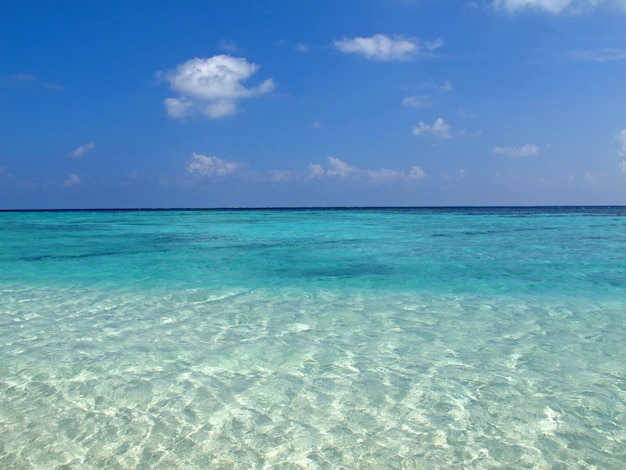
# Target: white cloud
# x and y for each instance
(210, 166)
(438, 129)
(621, 138)
(340, 169)
(72, 180)
(315, 170)
(556, 6)
(177, 107)
(518, 152)
(622, 166)
(211, 86)
(83, 149)
(416, 173)
(317, 125)
(417, 101)
(384, 48)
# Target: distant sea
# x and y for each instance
(313, 338)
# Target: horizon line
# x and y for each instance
(304, 208)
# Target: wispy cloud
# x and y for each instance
(605, 54)
(557, 6)
(23, 77)
(438, 129)
(339, 169)
(302, 48)
(417, 101)
(442, 87)
(228, 46)
(621, 138)
(458, 177)
(83, 149)
(211, 86)
(279, 176)
(27, 80)
(384, 48)
(72, 180)
(210, 166)
(524, 151)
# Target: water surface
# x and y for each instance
(370, 338)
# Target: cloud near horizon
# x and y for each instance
(383, 48)
(518, 152)
(72, 180)
(621, 138)
(211, 86)
(210, 166)
(340, 169)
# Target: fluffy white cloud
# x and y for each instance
(621, 138)
(340, 169)
(518, 152)
(72, 180)
(211, 86)
(82, 150)
(555, 6)
(438, 129)
(210, 166)
(384, 48)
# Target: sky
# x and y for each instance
(283, 103)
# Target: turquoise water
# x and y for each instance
(370, 338)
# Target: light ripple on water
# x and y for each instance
(286, 378)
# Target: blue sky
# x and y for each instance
(301, 103)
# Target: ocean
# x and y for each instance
(313, 338)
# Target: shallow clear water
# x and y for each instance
(412, 338)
